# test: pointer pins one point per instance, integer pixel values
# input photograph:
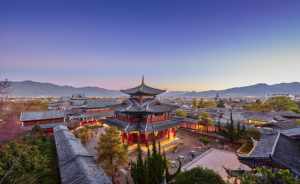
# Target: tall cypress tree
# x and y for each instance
(153, 169)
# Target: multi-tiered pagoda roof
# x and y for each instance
(143, 105)
(143, 90)
(133, 105)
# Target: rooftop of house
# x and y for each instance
(43, 115)
(76, 165)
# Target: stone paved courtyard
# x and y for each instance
(186, 146)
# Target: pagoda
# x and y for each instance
(142, 117)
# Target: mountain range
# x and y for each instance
(36, 89)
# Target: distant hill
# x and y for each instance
(33, 89)
(257, 90)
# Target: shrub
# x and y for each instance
(254, 133)
(205, 140)
(199, 175)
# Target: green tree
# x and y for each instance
(181, 113)
(29, 160)
(111, 153)
(283, 103)
(280, 103)
(233, 132)
(253, 133)
(195, 103)
(267, 176)
(153, 169)
(206, 119)
(221, 104)
(206, 104)
(85, 134)
(199, 176)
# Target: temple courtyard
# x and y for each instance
(185, 146)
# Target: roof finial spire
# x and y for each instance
(143, 80)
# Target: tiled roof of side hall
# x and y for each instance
(264, 146)
(282, 148)
(294, 132)
(163, 125)
(31, 116)
(143, 127)
(76, 165)
(284, 125)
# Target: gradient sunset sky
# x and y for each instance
(176, 44)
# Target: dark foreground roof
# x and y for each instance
(143, 127)
(287, 153)
(281, 148)
(76, 165)
(264, 146)
(143, 90)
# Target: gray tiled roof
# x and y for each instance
(51, 125)
(262, 116)
(150, 105)
(287, 153)
(282, 148)
(117, 123)
(76, 165)
(91, 103)
(163, 125)
(292, 132)
(284, 125)
(31, 116)
(143, 127)
(264, 146)
(98, 115)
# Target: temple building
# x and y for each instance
(47, 120)
(143, 117)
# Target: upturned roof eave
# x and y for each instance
(142, 90)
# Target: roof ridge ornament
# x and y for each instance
(143, 80)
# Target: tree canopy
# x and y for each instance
(85, 134)
(29, 160)
(280, 103)
(203, 103)
(199, 176)
(111, 153)
(153, 169)
(267, 176)
(181, 113)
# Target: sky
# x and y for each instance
(176, 44)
